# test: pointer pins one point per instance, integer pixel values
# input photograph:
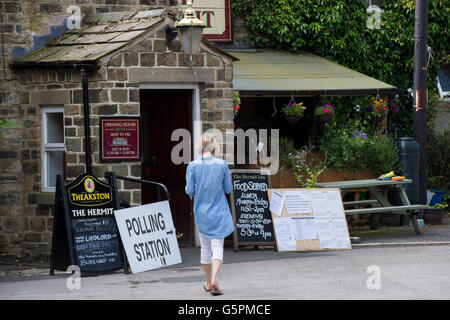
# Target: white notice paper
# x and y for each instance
(285, 237)
(305, 229)
(330, 219)
(325, 233)
(341, 239)
(298, 202)
(276, 203)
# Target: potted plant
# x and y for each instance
(293, 111)
(434, 214)
(325, 113)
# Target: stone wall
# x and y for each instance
(26, 214)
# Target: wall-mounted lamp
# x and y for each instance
(190, 30)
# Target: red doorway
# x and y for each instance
(162, 112)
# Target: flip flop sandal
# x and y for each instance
(206, 289)
(217, 292)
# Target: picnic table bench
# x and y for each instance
(380, 203)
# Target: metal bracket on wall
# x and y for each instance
(171, 34)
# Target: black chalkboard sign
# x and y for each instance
(89, 238)
(250, 208)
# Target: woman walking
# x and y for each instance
(207, 182)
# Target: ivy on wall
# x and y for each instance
(338, 30)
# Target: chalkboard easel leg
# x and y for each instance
(56, 217)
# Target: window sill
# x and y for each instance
(45, 198)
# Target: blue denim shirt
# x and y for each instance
(208, 180)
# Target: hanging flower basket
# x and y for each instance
(326, 118)
(378, 109)
(292, 118)
(325, 113)
(293, 111)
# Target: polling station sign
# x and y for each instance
(148, 236)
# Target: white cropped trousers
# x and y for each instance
(210, 249)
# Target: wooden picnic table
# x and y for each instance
(378, 202)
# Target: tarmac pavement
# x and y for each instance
(388, 263)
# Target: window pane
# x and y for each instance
(55, 128)
(54, 166)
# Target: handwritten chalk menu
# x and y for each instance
(91, 230)
(94, 230)
(250, 208)
(148, 236)
(310, 219)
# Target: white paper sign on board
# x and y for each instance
(148, 236)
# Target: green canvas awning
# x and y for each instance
(272, 72)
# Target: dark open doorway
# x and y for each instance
(162, 112)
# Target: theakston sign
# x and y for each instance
(148, 236)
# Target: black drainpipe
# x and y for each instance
(87, 126)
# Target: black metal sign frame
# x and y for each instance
(64, 253)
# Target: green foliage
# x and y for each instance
(381, 155)
(438, 206)
(438, 159)
(293, 109)
(236, 98)
(342, 151)
(308, 167)
(337, 30)
(325, 109)
(287, 152)
(438, 149)
(349, 149)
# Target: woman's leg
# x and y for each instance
(205, 259)
(217, 258)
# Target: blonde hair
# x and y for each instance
(207, 143)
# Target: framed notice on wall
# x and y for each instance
(120, 139)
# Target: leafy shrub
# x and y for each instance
(438, 160)
(308, 167)
(354, 150)
(287, 150)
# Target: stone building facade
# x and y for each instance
(115, 87)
